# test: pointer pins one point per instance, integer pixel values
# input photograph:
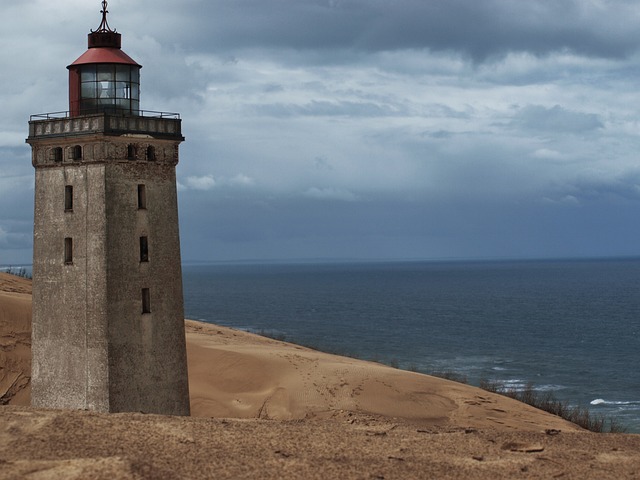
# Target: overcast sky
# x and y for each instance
(371, 129)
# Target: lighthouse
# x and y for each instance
(108, 316)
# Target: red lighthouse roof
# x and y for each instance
(104, 45)
(104, 55)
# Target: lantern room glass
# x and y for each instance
(110, 88)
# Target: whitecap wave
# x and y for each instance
(601, 401)
(552, 387)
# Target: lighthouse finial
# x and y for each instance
(104, 25)
(104, 36)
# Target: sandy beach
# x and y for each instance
(262, 408)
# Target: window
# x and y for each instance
(142, 197)
(146, 301)
(56, 154)
(77, 152)
(68, 198)
(68, 251)
(109, 88)
(144, 249)
(131, 152)
(151, 153)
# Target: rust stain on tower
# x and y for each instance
(108, 316)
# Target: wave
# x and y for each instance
(514, 383)
(519, 384)
(548, 388)
(601, 401)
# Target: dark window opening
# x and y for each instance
(151, 153)
(68, 198)
(77, 152)
(144, 249)
(68, 250)
(142, 197)
(146, 301)
(56, 154)
(131, 152)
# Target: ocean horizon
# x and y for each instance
(567, 326)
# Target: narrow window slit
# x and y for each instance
(68, 198)
(146, 301)
(68, 251)
(144, 249)
(142, 197)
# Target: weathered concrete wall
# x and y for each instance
(147, 354)
(69, 301)
(93, 347)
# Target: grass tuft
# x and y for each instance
(18, 272)
(546, 401)
(450, 375)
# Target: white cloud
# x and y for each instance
(548, 154)
(209, 182)
(569, 200)
(205, 182)
(241, 180)
(330, 194)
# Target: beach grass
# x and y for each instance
(547, 402)
(18, 271)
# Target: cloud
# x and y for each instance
(241, 180)
(549, 154)
(205, 182)
(325, 108)
(14, 240)
(556, 119)
(565, 200)
(208, 182)
(363, 126)
(330, 194)
(477, 29)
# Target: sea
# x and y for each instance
(570, 327)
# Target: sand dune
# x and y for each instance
(241, 375)
(15, 339)
(262, 408)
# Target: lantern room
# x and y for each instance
(104, 79)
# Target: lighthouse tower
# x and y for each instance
(108, 320)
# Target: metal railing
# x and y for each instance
(114, 113)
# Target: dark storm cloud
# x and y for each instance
(623, 188)
(10, 240)
(16, 200)
(479, 29)
(386, 228)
